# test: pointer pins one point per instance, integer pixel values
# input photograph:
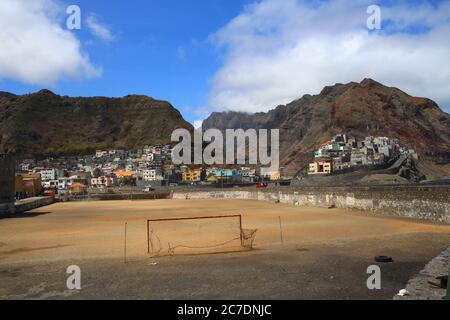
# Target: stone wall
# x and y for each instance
(427, 203)
(117, 196)
(33, 203)
(7, 176)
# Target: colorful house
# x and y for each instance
(321, 167)
(77, 188)
(122, 174)
(193, 175)
(227, 175)
(29, 184)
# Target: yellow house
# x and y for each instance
(29, 183)
(321, 167)
(19, 184)
(192, 175)
(275, 175)
(313, 168)
(212, 178)
(272, 175)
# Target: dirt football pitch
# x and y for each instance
(298, 252)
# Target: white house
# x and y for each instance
(100, 153)
(152, 175)
(102, 182)
(50, 184)
(48, 174)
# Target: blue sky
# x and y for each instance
(160, 48)
(208, 55)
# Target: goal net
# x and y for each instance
(198, 235)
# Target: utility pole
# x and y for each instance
(125, 245)
(281, 232)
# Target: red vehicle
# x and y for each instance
(261, 186)
(49, 193)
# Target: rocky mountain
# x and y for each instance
(358, 109)
(43, 123)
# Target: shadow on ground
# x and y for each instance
(23, 215)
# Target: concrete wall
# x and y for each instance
(7, 208)
(118, 196)
(33, 203)
(427, 203)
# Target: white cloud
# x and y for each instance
(278, 50)
(99, 30)
(35, 48)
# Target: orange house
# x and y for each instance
(121, 174)
(77, 188)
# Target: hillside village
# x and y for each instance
(143, 170)
(151, 167)
(343, 154)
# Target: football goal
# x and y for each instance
(198, 235)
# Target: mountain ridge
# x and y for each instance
(360, 109)
(46, 124)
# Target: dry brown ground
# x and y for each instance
(93, 230)
(325, 255)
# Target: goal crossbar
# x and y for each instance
(195, 218)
